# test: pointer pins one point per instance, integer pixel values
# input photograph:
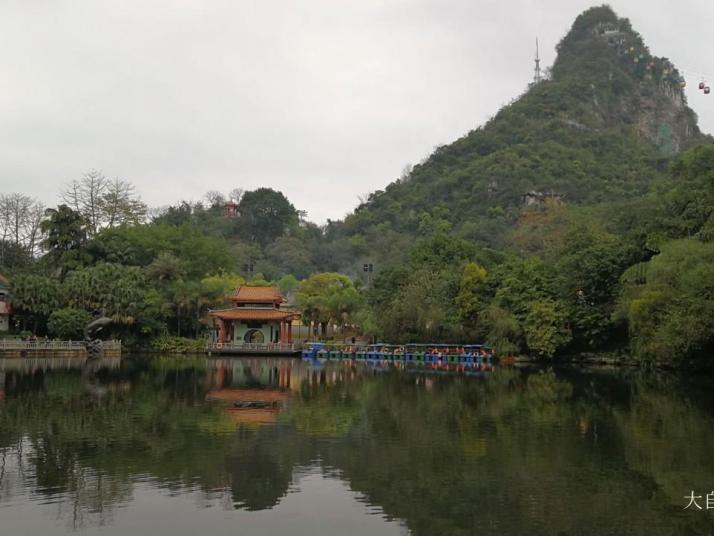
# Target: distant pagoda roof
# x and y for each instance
(254, 313)
(246, 294)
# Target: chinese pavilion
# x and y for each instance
(255, 318)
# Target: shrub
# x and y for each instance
(68, 323)
(177, 345)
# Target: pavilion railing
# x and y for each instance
(247, 347)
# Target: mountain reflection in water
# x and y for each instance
(268, 446)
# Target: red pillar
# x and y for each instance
(282, 333)
(289, 326)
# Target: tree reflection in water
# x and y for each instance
(541, 452)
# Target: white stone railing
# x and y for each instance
(57, 346)
(252, 347)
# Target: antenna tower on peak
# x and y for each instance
(537, 75)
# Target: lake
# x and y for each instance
(185, 446)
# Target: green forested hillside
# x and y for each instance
(577, 219)
(599, 129)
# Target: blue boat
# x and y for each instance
(312, 349)
(431, 355)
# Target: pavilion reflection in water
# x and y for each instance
(256, 391)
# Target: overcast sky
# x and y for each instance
(325, 100)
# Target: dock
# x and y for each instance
(251, 348)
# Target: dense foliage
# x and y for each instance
(68, 323)
(557, 208)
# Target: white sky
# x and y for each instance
(324, 100)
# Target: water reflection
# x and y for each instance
(282, 445)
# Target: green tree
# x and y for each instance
(505, 334)
(671, 316)
(589, 264)
(287, 284)
(14, 257)
(686, 198)
(386, 285)
(546, 327)
(220, 285)
(258, 280)
(65, 237)
(139, 245)
(187, 300)
(117, 290)
(290, 256)
(422, 310)
(471, 300)
(68, 323)
(440, 249)
(165, 268)
(326, 298)
(265, 215)
(33, 298)
(520, 282)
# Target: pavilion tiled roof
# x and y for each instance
(257, 295)
(247, 313)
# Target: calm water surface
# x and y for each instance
(167, 446)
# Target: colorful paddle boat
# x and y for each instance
(433, 355)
